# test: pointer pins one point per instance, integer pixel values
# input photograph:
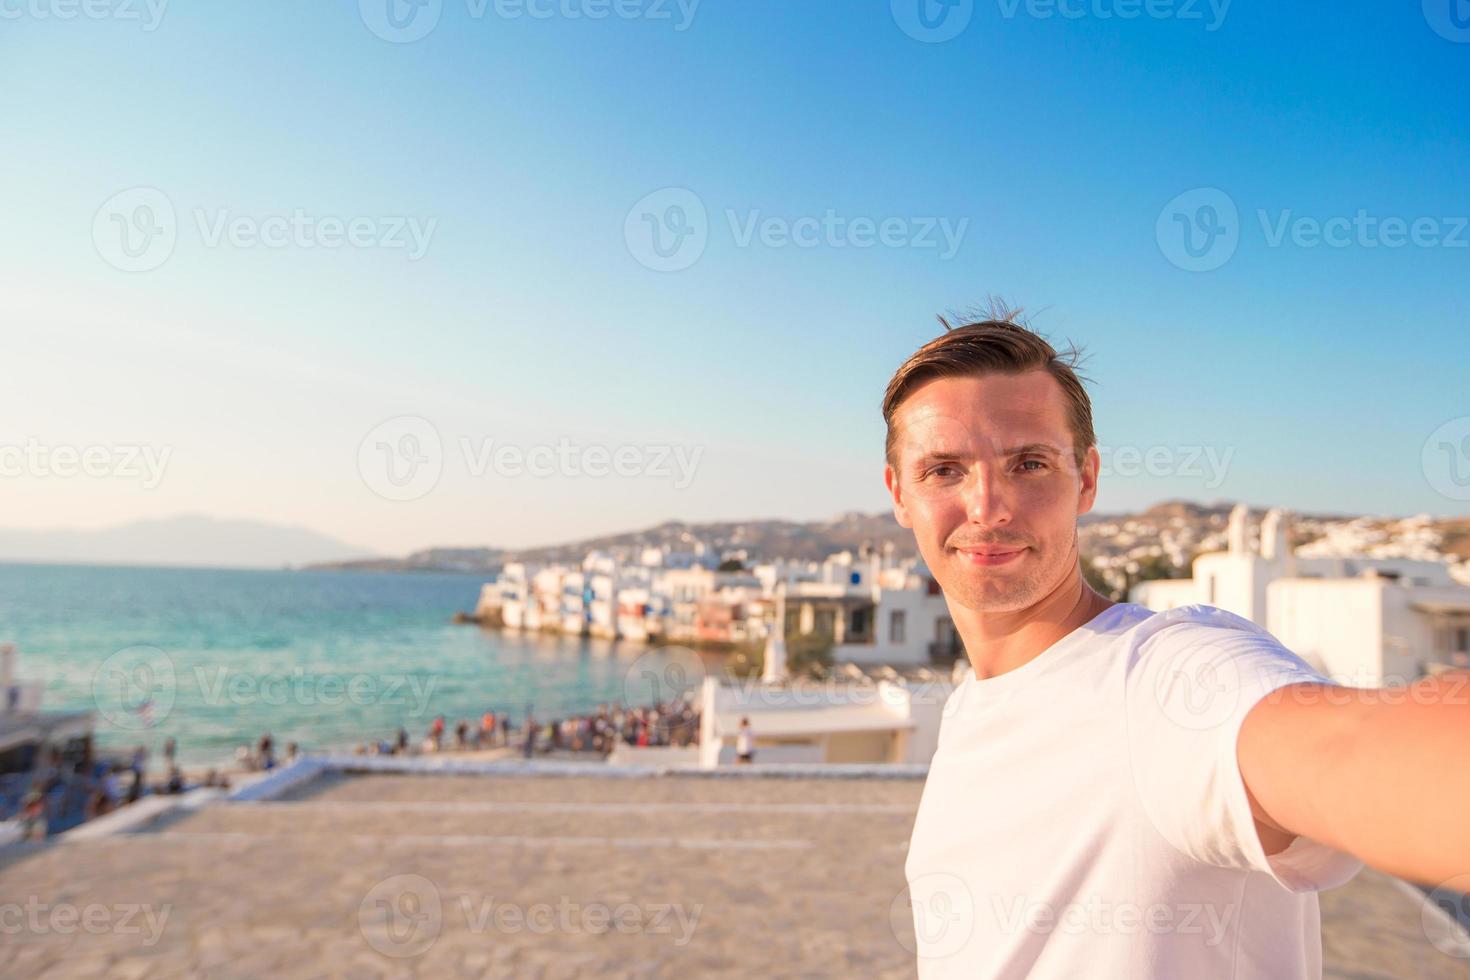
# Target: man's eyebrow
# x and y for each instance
(1032, 447)
(944, 456)
(938, 456)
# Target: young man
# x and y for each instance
(1117, 792)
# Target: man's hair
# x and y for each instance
(1000, 343)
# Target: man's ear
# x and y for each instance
(1090, 467)
(900, 512)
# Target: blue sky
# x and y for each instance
(1055, 148)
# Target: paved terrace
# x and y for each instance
(435, 876)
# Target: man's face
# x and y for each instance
(987, 480)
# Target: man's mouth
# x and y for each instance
(989, 555)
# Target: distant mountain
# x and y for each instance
(188, 539)
(759, 539)
(1172, 531)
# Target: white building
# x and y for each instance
(1362, 620)
(887, 721)
(1373, 630)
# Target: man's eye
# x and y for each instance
(943, 470)
(1040, 465)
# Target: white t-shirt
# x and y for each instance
(742, 741)
(1084, 814)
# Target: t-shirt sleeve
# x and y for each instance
(1190, 685)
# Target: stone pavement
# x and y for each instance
(444, 876)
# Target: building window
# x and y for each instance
(897, 626)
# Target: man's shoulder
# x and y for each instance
(1194, 623)
(1214, 645)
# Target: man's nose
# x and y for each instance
(987, 497)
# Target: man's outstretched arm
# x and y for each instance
(1379, 773)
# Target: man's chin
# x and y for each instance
(990, 593)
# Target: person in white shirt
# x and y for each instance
(1118, 792)
(745, 742)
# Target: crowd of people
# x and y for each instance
(263, 756)
(668, 723)
(69, 790)
(64, 791)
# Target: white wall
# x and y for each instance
(1333, 624)
(1165, 593)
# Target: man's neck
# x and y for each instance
(999, 642)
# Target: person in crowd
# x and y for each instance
(745, 743)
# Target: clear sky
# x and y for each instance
(180, 181)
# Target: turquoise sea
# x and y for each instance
(216, 657)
